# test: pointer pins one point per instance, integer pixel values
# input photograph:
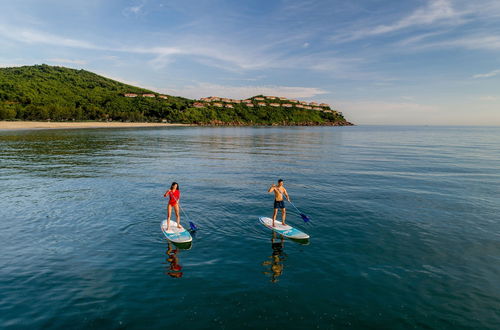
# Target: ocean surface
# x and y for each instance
(405, 229)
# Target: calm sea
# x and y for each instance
(405, 228)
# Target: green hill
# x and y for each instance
(43, 92)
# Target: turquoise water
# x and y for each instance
(405, 228)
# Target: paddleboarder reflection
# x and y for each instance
(275, 263)
(174, 269)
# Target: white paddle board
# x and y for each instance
(285, 230)
(174, 234)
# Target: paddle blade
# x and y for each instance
(305, 217)
(193, 226)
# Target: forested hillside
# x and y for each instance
(43, 92)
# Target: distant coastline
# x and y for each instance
(31, 125)
(34, 125)
(58, 94)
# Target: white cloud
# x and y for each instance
(488, 98)
(134, 10)
(436, 12)
(488, 42)
(487, 75)
(39, 37)
(226, 56)
(388, 113)
(120, 79)
(66, 61)
(240, 92)
(472, 41)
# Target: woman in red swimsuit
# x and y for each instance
(175, 194)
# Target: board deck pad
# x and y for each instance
(285, 230)
(174, 234)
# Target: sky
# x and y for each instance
(420, 62)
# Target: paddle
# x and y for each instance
(191, 224)
(302, 215)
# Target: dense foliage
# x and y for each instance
(43, 92)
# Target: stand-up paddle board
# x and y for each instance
(285, 230)
(174, 234)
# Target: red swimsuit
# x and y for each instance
(174, 197)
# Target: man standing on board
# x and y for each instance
(279, 190)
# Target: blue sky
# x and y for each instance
(379, 62)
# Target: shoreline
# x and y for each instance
(32, 125)
(39, 125)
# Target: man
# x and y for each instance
(279, 190)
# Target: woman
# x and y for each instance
(175, 195)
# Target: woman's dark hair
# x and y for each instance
(280, 180)
(175, 183)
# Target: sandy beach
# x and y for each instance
(26, 125)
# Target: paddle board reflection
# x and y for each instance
(275, 263)
(174, 269)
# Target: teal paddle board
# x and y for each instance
(285, 230)
(174, 234)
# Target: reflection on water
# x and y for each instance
(275, 263)
(173, 269)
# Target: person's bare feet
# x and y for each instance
(283, 223)
(179, 226)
